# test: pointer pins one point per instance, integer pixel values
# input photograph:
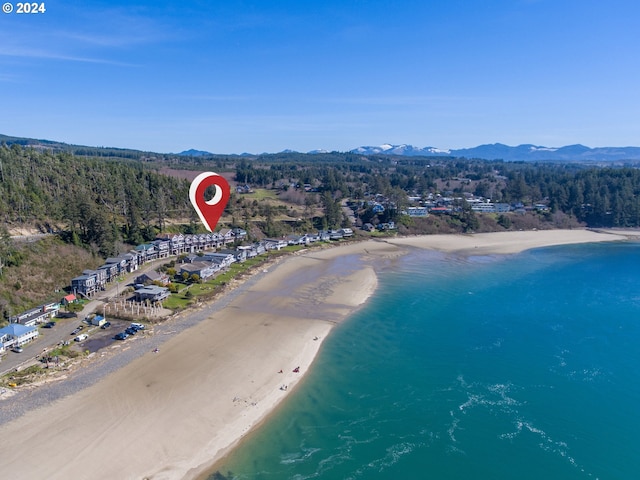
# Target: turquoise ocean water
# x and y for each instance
(496, 367)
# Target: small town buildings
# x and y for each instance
(84, 285)
(296, 239)
(483, 207)
(239, 233)
(226, 236)
(204, 270)
(110, 271)
(16, 335)
(152, 293)
(98, 320)
(274, 243)
(32, 317)
(153, 277)
(101, 277)
(440, 210)
(368, 227)
(324, 235)
(386, 226)
(239, 254)
(335, 235)
(223, 259)
(71, 298)
(417, 211)
(192, 250)
(377, 208)
(145, 252)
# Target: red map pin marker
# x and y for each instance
(209, 211)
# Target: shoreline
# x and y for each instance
(177, 413)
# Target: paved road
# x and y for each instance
(30, 238)
(51, 337)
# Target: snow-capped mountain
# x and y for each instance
(499, 151)
(409, 150)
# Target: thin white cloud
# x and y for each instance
(88, 36)
(50, 55)
(219, 98)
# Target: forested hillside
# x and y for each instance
(91, 201)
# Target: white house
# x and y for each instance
(15, 335)
(151, 292)
(274, 243)
(204, 270)
(223, 259)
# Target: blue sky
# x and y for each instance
(262, 76)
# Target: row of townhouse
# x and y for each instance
(321, 236)
(208, 264)
(165, 245)
(92, 281)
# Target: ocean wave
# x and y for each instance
(393, 455)
(545, 443)
(486, 397)
(298, 457)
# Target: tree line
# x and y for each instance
(92, 201)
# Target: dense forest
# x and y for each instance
(88, 201)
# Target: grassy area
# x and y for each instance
(261, 194)
(177, 301)
(64, 351)
(190, 292)
(27, 375)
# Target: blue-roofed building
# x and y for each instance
(15, 335)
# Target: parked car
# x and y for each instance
(17, 349)
(81, 338)
(131, 331)
(121, 336)
(105, 325)
(137, 326)
(77, 330)
(49, 325)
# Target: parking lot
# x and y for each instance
(102, 337)
(64, 330)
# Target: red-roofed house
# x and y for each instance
(68, 299)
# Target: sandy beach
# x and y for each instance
(172, 414)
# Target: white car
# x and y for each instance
(81, 338)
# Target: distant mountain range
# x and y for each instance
(195, 153)
(499, 151)
(495, 151)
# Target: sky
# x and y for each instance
(231, 76)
